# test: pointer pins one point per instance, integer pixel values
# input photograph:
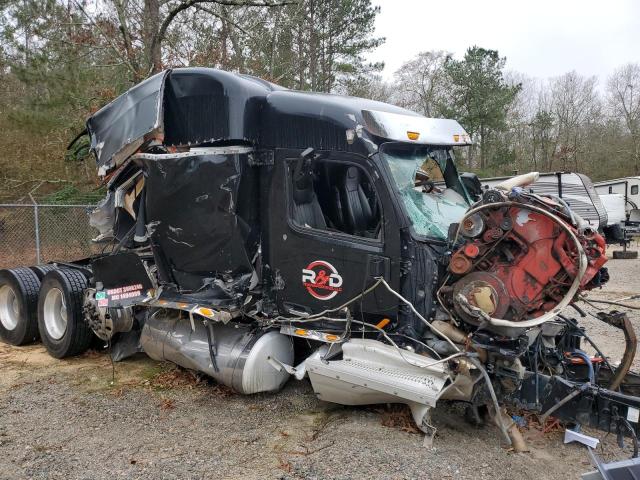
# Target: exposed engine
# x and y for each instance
(501, 272)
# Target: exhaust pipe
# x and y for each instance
(240, 356)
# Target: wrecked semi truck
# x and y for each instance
(256, 233)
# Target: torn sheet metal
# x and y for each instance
(118, 129)
(199, 106)
(373, 372)
(102, 218)
(191, 207)
(181, 107)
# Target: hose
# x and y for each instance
(417, 314)
(587, 360)
(494, 398)
(573, 324)
(564, 401)
(609, 302)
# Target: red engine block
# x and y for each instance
(517, 263)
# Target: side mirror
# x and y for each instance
(303, 165)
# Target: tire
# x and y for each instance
(42, 270)
(61, 323)
(622, 255)
(613, 233)
(19, 289)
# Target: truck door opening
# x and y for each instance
(336, 197)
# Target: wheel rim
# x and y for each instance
(55, 314)
(9, 308)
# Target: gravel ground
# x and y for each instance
(67, 420)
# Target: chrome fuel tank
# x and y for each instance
(241, 354)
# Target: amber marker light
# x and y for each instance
(413, 135)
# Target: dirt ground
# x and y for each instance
(69, 420)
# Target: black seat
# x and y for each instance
(306, 209)
(358, 215)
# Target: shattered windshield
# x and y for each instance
(427, 193)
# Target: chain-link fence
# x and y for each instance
(33, 234)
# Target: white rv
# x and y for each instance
(575, 189)
(629, 187)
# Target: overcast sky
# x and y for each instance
(542, 38)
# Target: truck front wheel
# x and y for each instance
(60, 318)
(18, 306)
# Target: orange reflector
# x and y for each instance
(331, 338)
(300, 331)
(383, 323)
(456, 138)
(413, 135)
(207, 312)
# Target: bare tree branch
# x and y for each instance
(164, 26)
(114, 47)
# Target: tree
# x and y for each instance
(144, 26)
(367, 85)
(315, 45)
(421, 83)
(479, 95)
(61, 60)
(623, 97)
(574, 104)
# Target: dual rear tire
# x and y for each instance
(46, 304)
(18, 306)
(61, 323)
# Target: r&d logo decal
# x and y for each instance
(321, 280)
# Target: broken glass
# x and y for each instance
(431, 212)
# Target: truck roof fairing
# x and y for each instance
(416, 129)
(196, 106)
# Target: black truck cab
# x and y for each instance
(315, 195)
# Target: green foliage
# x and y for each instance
(479, 95)
(79, 150)
(60, 61)
(71, 195)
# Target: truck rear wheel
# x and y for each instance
(42, 270)
(18, 306)
(60, 318)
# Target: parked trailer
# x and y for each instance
(256, 233)
(629, 188)
(576, 189)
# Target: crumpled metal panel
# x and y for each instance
(191, 204)
(373, 372)
(184, 106)
(199, 106)
(118, 129)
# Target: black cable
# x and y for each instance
(212, 351)
(535, 361)
(632, 434)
